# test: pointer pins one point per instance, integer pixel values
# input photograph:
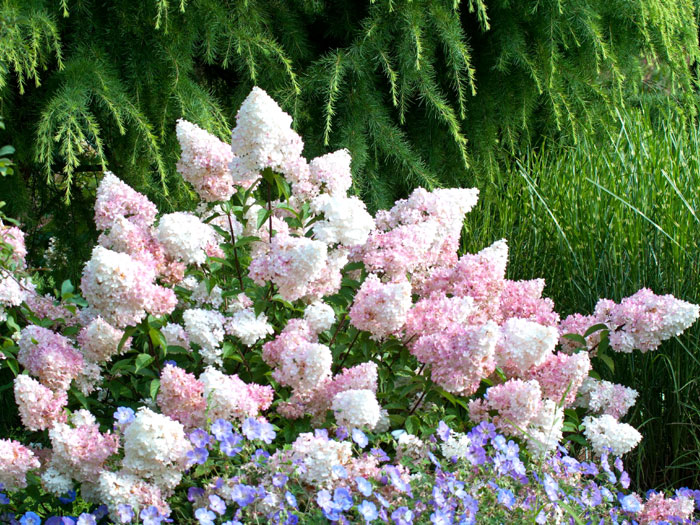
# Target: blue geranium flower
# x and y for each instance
(368, 511)
(359, 437)
(630, 503)
(364, 486)
(204, 516)
(125, 513)
(221, 429)
(506, 498)
(124, 415)
(30, 518)
(443, 431)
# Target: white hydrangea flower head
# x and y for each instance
(305, 368)
(545, 430)
(175, 335)
(525, 344)
(263, 137)
(122, 488)
(56, 482)
(457, 445)
(99, 341)
(248, 327)
(320, 316)
(604, 397)
(331, 172)
(155, 448)
(411, 446)
(346, 220)
(319, 455)
(605, 432)
(206, 329)
(185, 237)
(356, 408)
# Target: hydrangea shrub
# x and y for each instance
(231, 363)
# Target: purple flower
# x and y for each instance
(30, 518)
(341, 433)
(279, 480)
(244, 495)
(221, 429)
(194, 493)
(217, 504)
(367, 510)
(630, 503)
(342, 498)
(151, 516)
(204, 516)
(262, 430)
(624, 480)
(200, 438)
(359, 437)
(291, 499)
(86, 519)
(506, 498)
(4, 500)
(321, 433)
(364, 486)
(170, 362)
(292, 519)
(402, 516)
(125, 513)
(379, 454)
(124, 415)
(551, 487)
(229, 445)
(441, 517)
(443, 431)
(68, 498)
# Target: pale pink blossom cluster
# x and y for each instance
(122, 290)
(639, 322)
(15, 461)
(516, 403)
(186, 238)
(39, 407)
(204, 162)
(381, 308)
(49, 356)
(291, 263)
(524, 344)
(80, 451)
(660, 509)
(356, 408)
(228, 397)
(248, 327)
(604, 397)
(317, 456)
(206, 329)
(99, 341)
(122, 488)
(561, 376)
(345, 220)
(13, 237)
(181, 396)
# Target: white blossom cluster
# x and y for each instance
(247, 326)
(331, 172)
(227, 396)
(185, 237)
(123, 488)
(317, 457)
(356, 408)
(545, 431)
(206, 329)
(175, 335)
(305, 368)
(345, 222)
(605, 432)
(604, 397)
(411, 446)
(525, 344)
(263, 137)
(320, 316)
(155, 448)
(457, 445)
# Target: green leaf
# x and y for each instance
(608, 361)
(596, 327)
(67, 289)
(143, 360)
(155, 386)
(263, 215)
(577, 338)
(13, 365)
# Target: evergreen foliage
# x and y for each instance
(422, 92)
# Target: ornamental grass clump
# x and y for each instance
(233, 363)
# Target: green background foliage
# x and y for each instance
(501, 95)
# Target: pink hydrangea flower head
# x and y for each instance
(181, 396)
(523, 299)
(381, 308)
(15, 461)
(461, 357)
(39, 407)
(205, 162)
(660, 509)
(577, 324)
(81, 452)
(122, 290)
(99, 341)
(297, 333)
(125, 488)
(604, 397)
(304, 368)
(117, 199)
(228, 397)
(516, 402)
(185, 237)
(49, 356)
(437, 313)
(14, 238)
(561, 376)
(359, 377)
